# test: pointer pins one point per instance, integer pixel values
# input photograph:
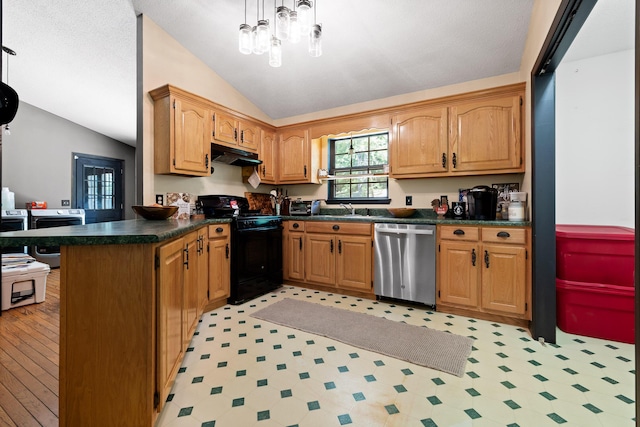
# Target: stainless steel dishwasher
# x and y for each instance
(405, 262)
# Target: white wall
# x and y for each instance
(37, 162)
(595, 141)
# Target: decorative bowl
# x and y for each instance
(154, 212)
(401, 212)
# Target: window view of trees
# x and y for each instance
(361, 155)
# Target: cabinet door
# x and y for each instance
(419, 144)
(249, 136)
(170, 275)
(219, 267)
(320, 259)
(226, 128)
(459, 273)
(354, 262)
(192, 145)
(190, 298)
(295, 159)
(504, 278)
(293, 255)
(203, 269)
(486, 135)
(268, 155)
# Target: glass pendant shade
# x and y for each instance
(294, 27)
(304, 16)
(263, 36)
(283, 22)
(315, 40)
(254, 41)
(244, 39)
(275, 53)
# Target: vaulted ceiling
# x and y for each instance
(77, 59)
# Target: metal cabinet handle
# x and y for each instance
(503, 234)
(206, 160)
(219, 230)
(186, 262)
(295, 225)
(235, 134)
(340, 246)
(454, 160)
(444, 160)
(473, 257)
(331, 246)
(459, 232)
(226, 251)
(264, 170)
(241, 136)
(305, 171)
(486, 258)
(300, 243)
(336, 227)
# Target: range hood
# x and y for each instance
(233, 156)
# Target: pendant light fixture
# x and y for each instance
(351, 150)
(9, 52)
(244, 37)
(315, 36)
(288, 24)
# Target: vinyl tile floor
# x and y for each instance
(240, 371)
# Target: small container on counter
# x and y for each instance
(516, 211)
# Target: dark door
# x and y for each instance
(98, 185)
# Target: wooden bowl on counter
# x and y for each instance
(154, 212)
(401, 212)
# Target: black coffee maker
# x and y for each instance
(482, 202)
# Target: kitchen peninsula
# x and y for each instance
(127, 313)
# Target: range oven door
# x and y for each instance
(256, 263)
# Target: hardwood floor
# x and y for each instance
(29, 357)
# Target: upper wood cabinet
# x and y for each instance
(297, 164)
(485, 135)
(419, 142)
(470, 134)
(269, 156)
(235, 132)
(182, 143)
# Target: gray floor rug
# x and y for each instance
(439, 350)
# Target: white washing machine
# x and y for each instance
(47, 218)
(14, 220)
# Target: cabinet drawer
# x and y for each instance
(339, 228)
(218, 230)
(454, 232)
(504, 235)
(295, 225)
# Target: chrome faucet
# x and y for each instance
(349, 206)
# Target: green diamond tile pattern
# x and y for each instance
(244, 371)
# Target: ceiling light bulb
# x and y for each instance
(263, 36)
(294, 27)
(7, 131)
(244, 39)
(315, 40)
(275, 53)
(283, 22)
(304, 16)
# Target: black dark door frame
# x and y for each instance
(100, 215)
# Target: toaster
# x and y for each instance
(298, 207)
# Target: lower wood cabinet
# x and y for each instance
(329, 254)
(485, 270)
(219, 262)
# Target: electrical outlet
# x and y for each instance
(408, 200)
(65, 202)
(160, 199)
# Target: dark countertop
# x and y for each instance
(136, 231)
(131, 231)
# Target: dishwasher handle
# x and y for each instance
(404, 231)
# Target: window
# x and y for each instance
(361, 155)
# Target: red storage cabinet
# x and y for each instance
(595, 254)
(596, 310)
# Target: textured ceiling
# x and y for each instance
(76, 59)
